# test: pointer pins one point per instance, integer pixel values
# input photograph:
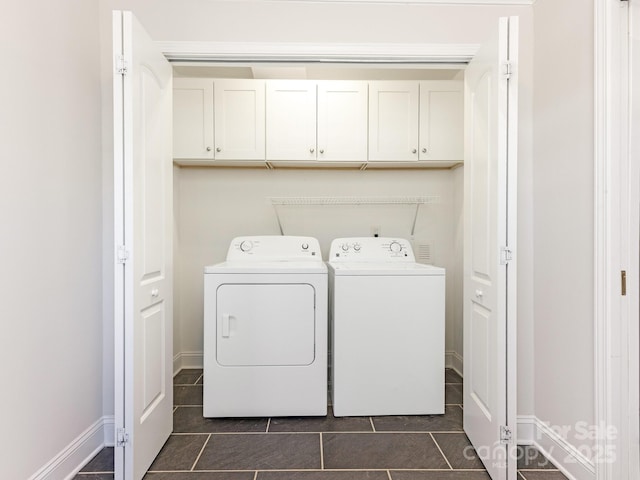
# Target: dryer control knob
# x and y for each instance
(395, 247)
(356, 247)
(246, 246)
(305, 246)
(345, 246)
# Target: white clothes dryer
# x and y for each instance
(387, 329)
(265, 329)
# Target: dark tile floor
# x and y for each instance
(431, 447)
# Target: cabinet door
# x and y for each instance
(239, 119)
(441, 121)
(342, 121)
(193, 118)
(393, 121)
(291, 120)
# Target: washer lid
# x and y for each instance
(265, 268)
(384, 268)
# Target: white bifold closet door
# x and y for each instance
(489, 262)
(143, 287)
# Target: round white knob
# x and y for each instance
(208, 149)
(246, 245)
(356, 247)
(424, 150)
(311, 150)
(395, 247)
(345, 247)
(218, 149)
(414, 151)
(305, 246)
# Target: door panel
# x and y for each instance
(490, 232)
(143, 185)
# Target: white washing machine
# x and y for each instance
(387, 329)
(265, 329)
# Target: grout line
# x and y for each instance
(350, 432)
(389, 474)
(440, 450)
(321, 453)
(521, 475)
(198, 379)
(372, 425)
(200, 454)
(255, 477)
(268, 425)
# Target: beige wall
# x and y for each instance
(50, 212)
(564, 206)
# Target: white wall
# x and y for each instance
(50, 212)
(563, 221)
(216, 205)
(299, 22)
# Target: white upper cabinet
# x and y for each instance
(441, 121)
(393, 121)
(342, 121)
(239, 119)
(324, 122)
(193, 118)
(291, 120)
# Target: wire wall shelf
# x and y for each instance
(292, 201)
(416, 201)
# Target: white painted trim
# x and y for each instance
(320, 52)
(109, 430)
(187, 360)
(526, 429)
(612, 250)
(454, 360)
(422, 2)
(567, 458)
(76, 455)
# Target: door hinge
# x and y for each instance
(506, 255)
(122, 437)
(122, 254)
(122, 68)
(507, 69)
(623, 283)
(505, 434)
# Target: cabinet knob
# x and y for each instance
(424, 150)
(208, 149)
(414, 151)
(321, 151)
(311, 150)
(218, 149)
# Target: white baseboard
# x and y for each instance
(569, 459)
(453, 360)
(77, 454)
(187, 360)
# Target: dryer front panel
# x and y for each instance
(265, 325)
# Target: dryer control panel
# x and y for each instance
(274, 248)
(371, 249)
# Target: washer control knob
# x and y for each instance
(395, 247)
(356, 247)
(305, 246)
(246, 246)
(345, 247)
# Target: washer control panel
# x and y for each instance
(274, 248)
(371, 249)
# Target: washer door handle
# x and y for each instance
(225, 325)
